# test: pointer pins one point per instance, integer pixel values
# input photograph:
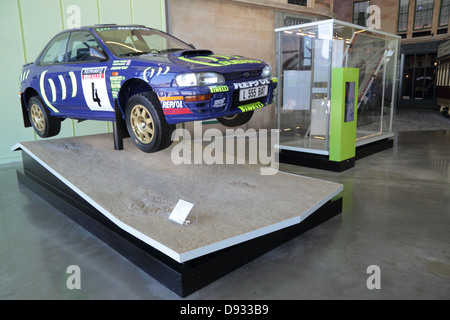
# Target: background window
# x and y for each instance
(444, 13)
(403, 12)
(299, 2)
(423, 14)
(360, 14)
(419, 76)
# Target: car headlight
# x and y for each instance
(266, 72)
(199, 79)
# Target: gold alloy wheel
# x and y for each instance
(142, 124)
(38, 118)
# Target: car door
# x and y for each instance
(93, 95)
(50, 82)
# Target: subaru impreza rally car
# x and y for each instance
(153, 79)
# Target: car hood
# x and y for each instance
(203, 60)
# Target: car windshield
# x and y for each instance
(132, 41)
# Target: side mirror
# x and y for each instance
(95, 54)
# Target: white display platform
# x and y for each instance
(138, 191)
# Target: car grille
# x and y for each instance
(242, 75)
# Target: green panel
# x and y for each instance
(78, 13)
(90, 127)
(37, 35)
(12, 59)
(342, 132)
(150, 13)
(38, 32)
(115, 11)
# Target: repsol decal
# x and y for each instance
(172, 104)
(250, 84)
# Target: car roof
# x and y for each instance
(106, 25)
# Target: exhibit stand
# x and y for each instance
(186, 225)
(337, 89)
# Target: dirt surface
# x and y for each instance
(142, 189)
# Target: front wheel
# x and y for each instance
(43, 123)
(236, 120)
(147, 124)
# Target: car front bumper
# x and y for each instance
(209, 102)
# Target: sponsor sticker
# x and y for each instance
(95, 93)
(251, 106)
(218, 89)
(250, 84)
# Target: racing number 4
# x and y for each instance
(95, 97)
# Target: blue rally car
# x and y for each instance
(153, 79)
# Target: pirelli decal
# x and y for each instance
(251, 106)
(218, 89)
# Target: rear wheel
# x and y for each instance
(147, 124)
(236, 120)
(43, 123)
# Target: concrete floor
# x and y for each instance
(396, 216)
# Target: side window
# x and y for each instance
(79, 44)
(55, 50)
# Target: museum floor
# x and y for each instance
(396, 215)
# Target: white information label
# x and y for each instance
(181, 211)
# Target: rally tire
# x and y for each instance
(236, 120)
(147, 124)
(43, 123)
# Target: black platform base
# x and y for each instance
(322, 162)
(181, 278)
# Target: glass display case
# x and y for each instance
(306, 56)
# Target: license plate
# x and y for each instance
(253, 93)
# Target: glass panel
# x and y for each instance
(299, 2)
(375, 57)
(444, 13)
(79, 44)
(418, 83)
(306, 55)
(410, 60)
(360, 14)
(423, 14)
(55, 51)
(305, 61)
(403, 15)
(407, 83)
(429, 83)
